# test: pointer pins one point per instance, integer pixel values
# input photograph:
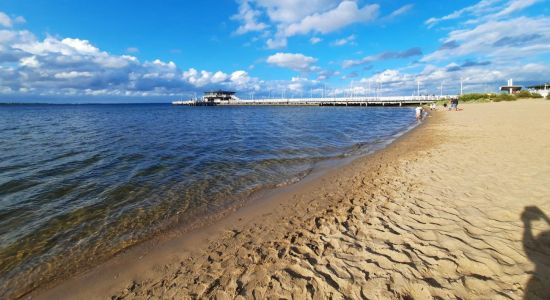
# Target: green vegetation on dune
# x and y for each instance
(491, 97)
(505, 97)
(548, 97)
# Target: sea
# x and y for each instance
(80, 183)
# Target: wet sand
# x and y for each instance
(441, 213)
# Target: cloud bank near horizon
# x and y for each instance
(72, 66)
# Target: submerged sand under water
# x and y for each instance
(81, 183)
(454, 210)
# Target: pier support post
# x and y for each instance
(400, 104)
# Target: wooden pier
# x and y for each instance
(340, 101)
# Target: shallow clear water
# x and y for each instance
(80, 182)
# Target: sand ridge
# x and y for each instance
(441, 214)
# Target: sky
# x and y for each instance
(151, 51)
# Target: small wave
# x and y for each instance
(69, 167)
(16, 185)
(14, 167)
(149, 171)
(132, 157)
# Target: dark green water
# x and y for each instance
(79, 183)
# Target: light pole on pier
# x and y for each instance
(369, 91)
(377, 89)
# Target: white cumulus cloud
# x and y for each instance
(292, 11)
(498, 40)
(293, 61)
(248, 16)
(29, 61)
(72, 66)
(485, 10)
(300, 17)
(7, 21)
(72, 75)
(343, 15)
(315, 40)
(344, 41)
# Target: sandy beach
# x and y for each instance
(453, 210)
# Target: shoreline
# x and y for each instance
(180, 221)
(453, 209)
(185, 238)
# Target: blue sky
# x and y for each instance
(126, 51)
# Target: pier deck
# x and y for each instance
(342, 101)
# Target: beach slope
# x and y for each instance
(456, 209)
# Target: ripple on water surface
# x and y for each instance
(80, 183)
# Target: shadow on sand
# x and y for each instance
(537, 249)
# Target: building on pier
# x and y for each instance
(510, 88)
(218, 96)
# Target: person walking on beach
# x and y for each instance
(454, 104)
(419, 112)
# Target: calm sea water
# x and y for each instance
(79, 183)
